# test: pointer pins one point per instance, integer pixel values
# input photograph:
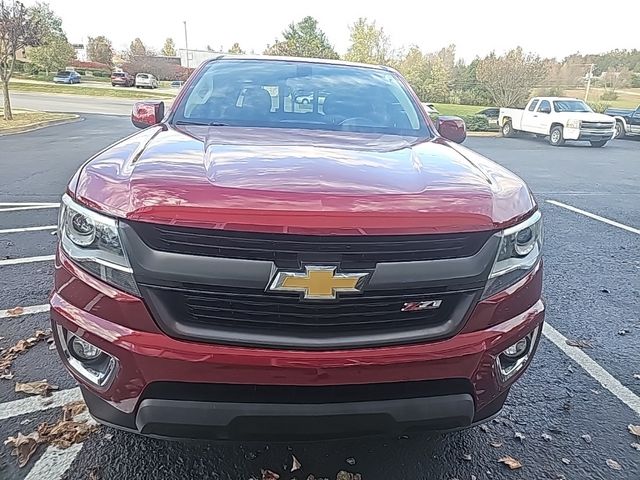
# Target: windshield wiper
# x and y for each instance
(204, 124)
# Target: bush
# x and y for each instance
(635, 80)
(31, 69)
(599, 107)
(476, 123)
(609, 95)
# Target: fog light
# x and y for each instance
(514, 358)
(518, 349)
(83, 350)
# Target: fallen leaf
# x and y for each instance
(94, 474)
(613, 465)
(496, 444)
(24, 446)
(42, 388)
(484, 428)
(15, 312)
(634, 430)
(108, 436)
(351, 461)
(72, 409)
(519, 436)
(296, 464)
(605, 290)
(566, 461)
(636, 376)
(65, 433)
(466, 457)
(269, 475)
(546, 437)
(25, 421)
(9, 355)
(586, 437)
(343, 475)
(636, 446)
(6, 376)
(578, 343)
(510, 462)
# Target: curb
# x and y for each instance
(37, 126)
(483, 134)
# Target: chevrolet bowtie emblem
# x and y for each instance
(318, 282)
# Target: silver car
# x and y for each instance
(146, 80)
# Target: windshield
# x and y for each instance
(289, 94)
(63, 74)
(570, 106)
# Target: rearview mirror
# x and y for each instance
(452, 128)
(147, 113)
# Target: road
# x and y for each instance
(71, 103)
(592, 290)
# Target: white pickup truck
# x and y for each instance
(560, 119)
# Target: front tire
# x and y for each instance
(507, 129)
(598, 143)
(556, 137)
(620, 132)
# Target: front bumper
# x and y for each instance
(177, 388)
(586, 134)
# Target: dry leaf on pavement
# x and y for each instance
(496, 444)
(510, 462)
(296, 464)
(72, 409)
(586, 437)
(9, 355)
(634, 430)
(636, 446)
(23, 446)
(14, 312)
(42, 388)
(65, 433)
(269, 475)
(519, 436)
(342, 475)
(578, 343)
(6, 376)
(613, 465)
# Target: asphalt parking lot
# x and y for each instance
(567, 419)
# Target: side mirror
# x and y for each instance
(452, 128)
(545, 110)
(149, 113)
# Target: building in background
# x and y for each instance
(81, 51)
(195, 57)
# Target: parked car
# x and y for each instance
(66, 76)
(176, 84)
(491, 114)
(560, 119)
(627, 121)
(430, 109)
(122, 79)
(146, 80)
(240, 270)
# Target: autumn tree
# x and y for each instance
(54, 52)
(169, 48)
(137, 48)
(99, 49)
(19, 29)
(303, 39)
(369, 44)
(235, 49)
(510, 78)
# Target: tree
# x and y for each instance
(510, 78)
(55, 52)
(19, 29)
(169, 48)
(303, 39)
(137, 48)
(236, 50)
(369, 44)
(99, 49)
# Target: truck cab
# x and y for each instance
(627, 121)
(560, 119)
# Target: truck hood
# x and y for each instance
(300, 181)
(587, 116)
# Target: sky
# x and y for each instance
(551, 28)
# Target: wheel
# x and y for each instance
(507, 129)
(620, 132)
(598, 143)
(555, 136)
(137, 86)
(113, 84)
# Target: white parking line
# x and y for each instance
(28, 405)
(26, 204)
(54, 463)
(595, 217)
(605, 379)
(18, 261)
(25, 311)
(28, 229)
(31, 207)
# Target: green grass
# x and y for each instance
(84, 90)
(451, 109)
(23, 118)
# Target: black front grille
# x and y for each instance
(289, 250)
(244, 316)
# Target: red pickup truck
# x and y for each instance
(253, 266)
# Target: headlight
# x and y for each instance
(92, 241)
(520, 250)
(573, 123)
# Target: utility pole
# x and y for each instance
(590, 74)
(186, 43)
